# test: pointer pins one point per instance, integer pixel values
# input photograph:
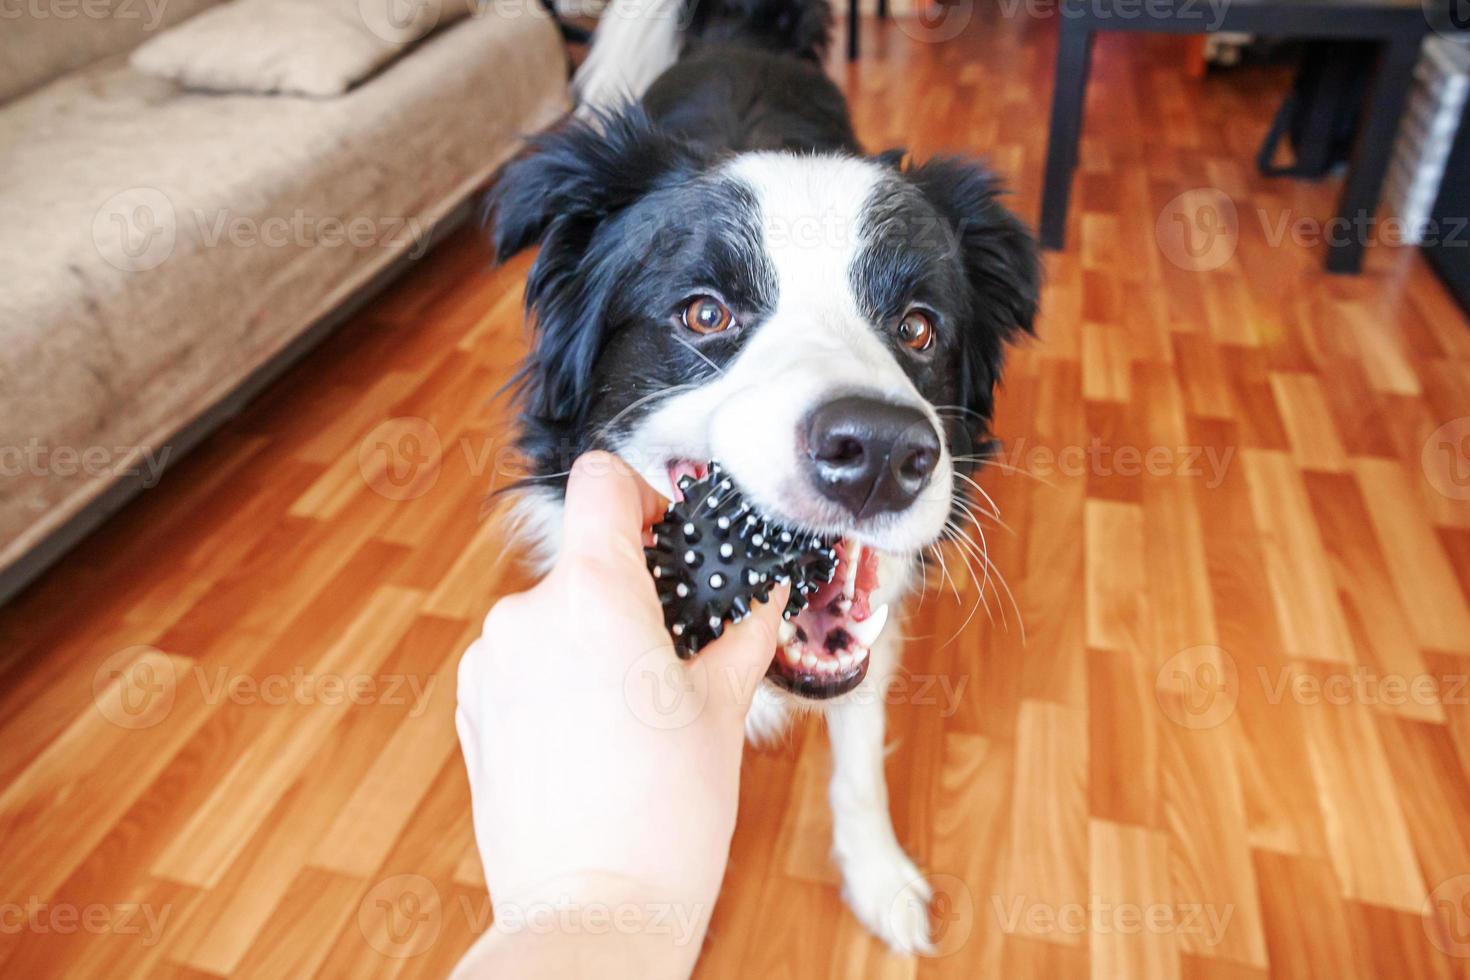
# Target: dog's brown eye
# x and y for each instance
(916, 330)
(705, 314)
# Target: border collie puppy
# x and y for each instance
(725, 275)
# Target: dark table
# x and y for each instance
(1398, 25)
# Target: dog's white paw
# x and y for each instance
(888, 895)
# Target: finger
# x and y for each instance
(740, 657)
(607, 506)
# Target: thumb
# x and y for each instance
(738, 659)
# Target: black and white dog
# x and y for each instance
(725, 275)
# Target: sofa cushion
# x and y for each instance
(42, 41)
(161, 245)
(303, 47)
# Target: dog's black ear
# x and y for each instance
(998, 250)
(1001, 264)
(570, 184)
(571, 178)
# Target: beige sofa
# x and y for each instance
(160, 247)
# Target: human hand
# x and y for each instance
(603, 770)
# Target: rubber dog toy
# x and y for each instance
(714, 553)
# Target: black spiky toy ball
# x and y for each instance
(714, 553)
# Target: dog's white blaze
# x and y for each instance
(817, 345)
(811, 218)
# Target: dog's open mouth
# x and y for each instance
(824, 649)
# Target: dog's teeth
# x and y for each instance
(793, 655)
(844, 660)
(808, 660)
(868, 631)
(786, 632)
(849, 585)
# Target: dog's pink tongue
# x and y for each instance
(681, 468)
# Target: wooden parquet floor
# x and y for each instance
(1232, 742)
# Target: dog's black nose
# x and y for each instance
(868, 455)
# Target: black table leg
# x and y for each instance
(882, 9)
(852, 30)
(1074, 57)
(1358, 206)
